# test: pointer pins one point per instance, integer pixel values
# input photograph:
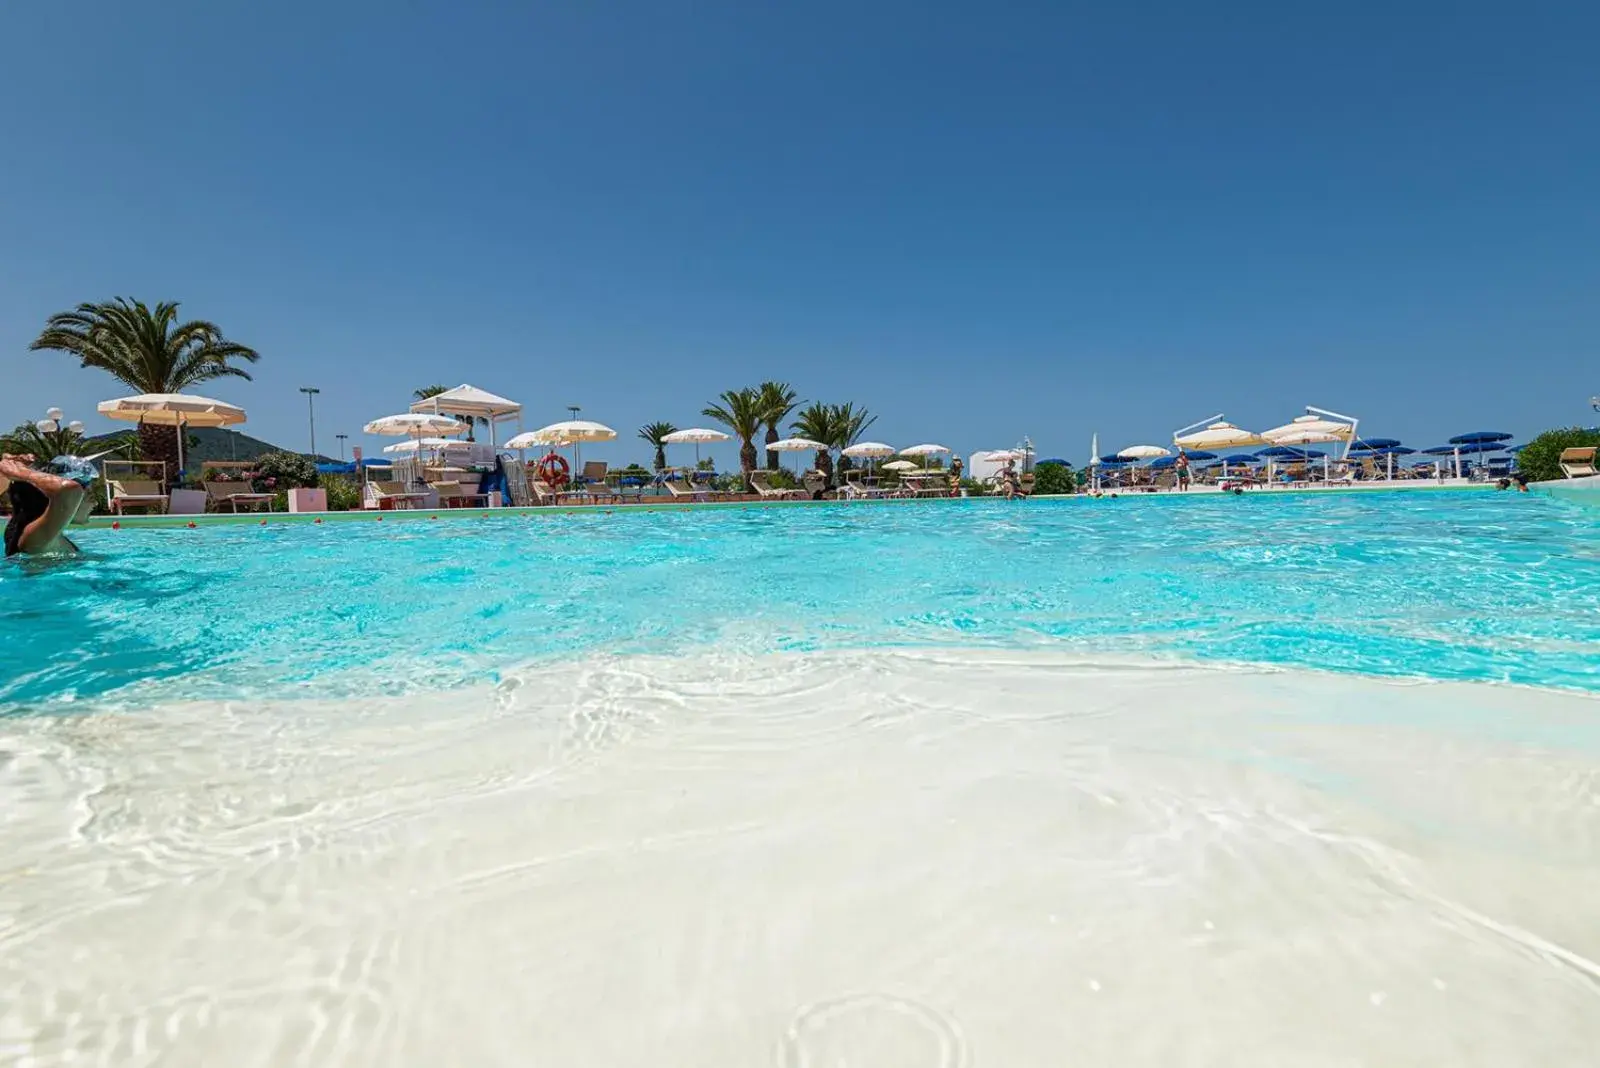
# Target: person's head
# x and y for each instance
(27, 504)
(1504, 483)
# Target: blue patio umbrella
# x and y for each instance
(1480, 437)
(1114, 460)
(1480, 446)
(1199, 454)
(1440, 450)
(1515, 448)
(1373, 444)
(1054, 460)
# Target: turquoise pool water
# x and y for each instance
(1479, 586)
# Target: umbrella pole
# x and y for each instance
(180, 444)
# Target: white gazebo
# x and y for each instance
(470, 403)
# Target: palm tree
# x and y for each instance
(777, 401)
(742, 413)
(654, 433)
(848, 426)
(150, 351)
(816, 421)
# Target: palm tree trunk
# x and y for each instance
(825, 465)
(160, 443)
(661, 457)
(747, 462)
(772, 457)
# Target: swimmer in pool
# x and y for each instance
(42, 504)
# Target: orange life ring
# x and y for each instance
(555, 470)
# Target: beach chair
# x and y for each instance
(594, 481)
(459, 495)
(387, 496)
(815, 483)
(131, 493)
(1578, 462)
(680, 490)
(761, 482)
(236, 495)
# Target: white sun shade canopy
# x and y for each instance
(695, 435)
(172, 409)
(1144, 452)
(1308, 430)
(794, 445)
(418, 444)
(1219, 436)
(468, 400)
(413, 424)
(870, 449)
(925, 449)
(572, 430)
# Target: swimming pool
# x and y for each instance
(931, 785)
(1480, 586)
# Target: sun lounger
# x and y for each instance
(1578, 462)
(761, 482)
(682, 490)
(390, 495)
(592, 483)
(129, 493)
(459, 495)
(236, 495)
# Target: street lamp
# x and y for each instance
(311, 409)
(51, 423)
(342, 439)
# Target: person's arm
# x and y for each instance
(64, 496)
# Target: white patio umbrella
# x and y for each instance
(1310, 430)
(796, 445)
(1144, 452)
(1219, 436)
(869, 451)
(696, 436)
(172, 409)
(900, 465)
(924, 450)
(414, 425)
(570, 432)
(418, 444)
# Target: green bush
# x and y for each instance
(1053, 479)
(973, 487)
(285, 471)
(344, 495)
(1540, 461)
(782, 479)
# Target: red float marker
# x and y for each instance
(116, 526)
(191, 524)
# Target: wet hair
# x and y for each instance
(27, 504)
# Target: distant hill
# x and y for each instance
(206, 444)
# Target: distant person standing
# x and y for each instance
(1182, 466)
(955, 476)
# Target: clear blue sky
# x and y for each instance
(979, 220)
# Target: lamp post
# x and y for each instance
(311, 410)
(342, 439)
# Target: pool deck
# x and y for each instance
(1584, 491)
(145, 522)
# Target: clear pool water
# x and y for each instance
(927, 785)
(1482, 586)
